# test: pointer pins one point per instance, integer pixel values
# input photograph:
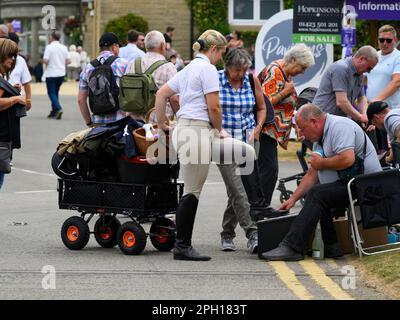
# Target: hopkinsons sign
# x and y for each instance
(275, 38)
(317, 21)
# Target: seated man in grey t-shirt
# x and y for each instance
(341, 91)
(341, 140)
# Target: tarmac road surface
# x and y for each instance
(30, 242)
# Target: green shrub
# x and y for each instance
(122, 25)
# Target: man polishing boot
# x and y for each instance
(259, 209)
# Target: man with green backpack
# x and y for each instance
(144, 76)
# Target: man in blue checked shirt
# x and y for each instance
(109, 45)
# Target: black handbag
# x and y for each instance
(270, 109)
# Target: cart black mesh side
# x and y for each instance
(118, 197)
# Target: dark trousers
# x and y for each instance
(382, 140)
(319, 201)
(53, 87)
(268, 166)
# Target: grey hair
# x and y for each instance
(308, 111)
(368, 52)
(301, 54)
(237, 57)
(153, 40)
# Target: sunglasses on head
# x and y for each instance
(382, 40)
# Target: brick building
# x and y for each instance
(158, 14)
(242, 14)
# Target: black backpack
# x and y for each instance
(103, 88)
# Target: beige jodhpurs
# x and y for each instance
(197, 145)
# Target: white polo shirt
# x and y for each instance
(196, 80)
(20, 74)
(131, 52)
(57, 54)
(381, 75)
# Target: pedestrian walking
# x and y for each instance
(55, 59)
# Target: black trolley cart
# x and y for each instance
(148, 202)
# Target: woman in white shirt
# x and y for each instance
(198, 136)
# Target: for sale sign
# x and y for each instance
(317, 21)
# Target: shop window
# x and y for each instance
(252, 12)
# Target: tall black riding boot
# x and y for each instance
(259, 209)
(185, 215)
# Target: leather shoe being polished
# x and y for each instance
(282, 253)
(259, 213)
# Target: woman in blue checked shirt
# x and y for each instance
(238, 103)
(198, 135)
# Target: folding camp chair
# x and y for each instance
(378, 197)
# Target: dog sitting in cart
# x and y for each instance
(104, 171)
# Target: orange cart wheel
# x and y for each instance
(105, 231)
(75, 233)
(162, 234)
(131, 238)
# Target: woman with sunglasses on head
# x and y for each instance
(198, 136)
(9, 98)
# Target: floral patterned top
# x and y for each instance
(273, 79)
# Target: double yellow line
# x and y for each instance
(288, 277)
